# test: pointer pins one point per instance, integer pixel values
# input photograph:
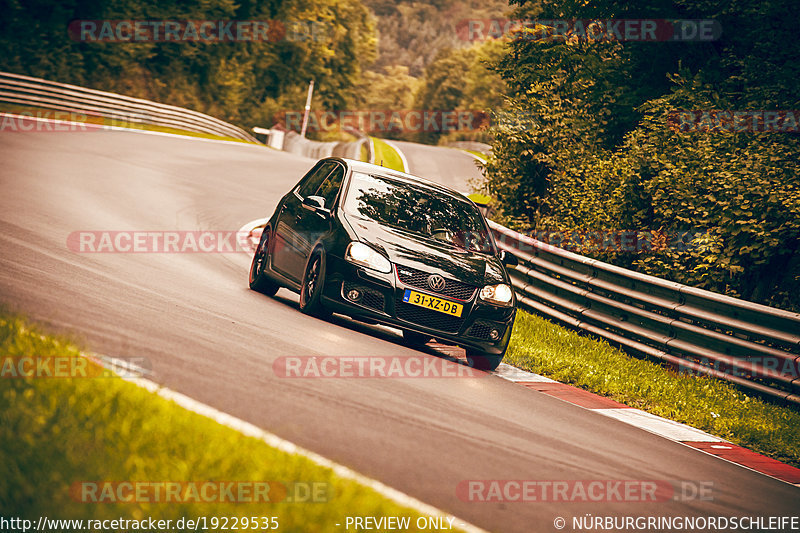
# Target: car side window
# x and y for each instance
(330, 187)
(309, 185)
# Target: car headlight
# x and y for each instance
(362, 255)
(500, 294)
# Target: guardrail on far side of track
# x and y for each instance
(22, 90)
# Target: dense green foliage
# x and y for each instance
(599, 154)
(413, 33)
(253, 83)
(427, 63)
(457, 80)
(243, 82)
(462, 79)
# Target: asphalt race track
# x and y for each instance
(448, 166)
(207, 336)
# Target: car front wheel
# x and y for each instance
(311, 289)
(483, 361)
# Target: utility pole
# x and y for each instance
(308, 108)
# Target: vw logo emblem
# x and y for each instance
(436, 282)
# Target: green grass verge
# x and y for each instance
(55, 433)
(711, 405)
(387, 156)
(480, 155)
(99, 122)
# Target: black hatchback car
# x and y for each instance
(384, 246)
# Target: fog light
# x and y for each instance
(494, 334)
(354, 295)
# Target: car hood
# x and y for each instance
(409, 249)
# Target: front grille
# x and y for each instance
(452, 288)
(369, 297)
(427, 317)
(481, 329)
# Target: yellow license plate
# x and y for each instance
(431, 302)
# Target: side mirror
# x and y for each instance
(508, 258)
(316, 204)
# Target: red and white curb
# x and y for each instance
(669, 429)
(249, 235)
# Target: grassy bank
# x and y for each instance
(56, 434)
(711, 405)
(387, 156)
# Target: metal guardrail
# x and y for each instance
(37, 92)
(294, 143)
(694, 330)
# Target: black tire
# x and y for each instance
(483, 361)
(415, 339)
(258, 280)
(311, 288)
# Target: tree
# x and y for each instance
(245, 82)
(602, 154)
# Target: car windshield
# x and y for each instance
(418, 209)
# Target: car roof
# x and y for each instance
(369, 168)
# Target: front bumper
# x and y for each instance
(382, 301)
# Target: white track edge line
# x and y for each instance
(474, 156)
(251, 430)
(403, 159)
(371, 150)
